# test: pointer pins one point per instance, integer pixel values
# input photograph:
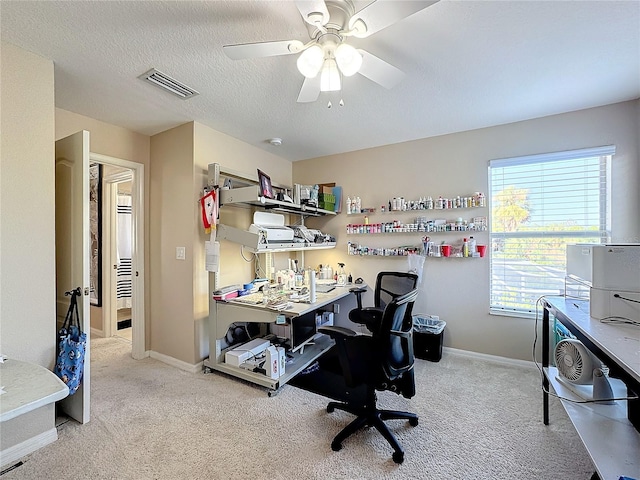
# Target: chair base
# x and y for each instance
(369, 416)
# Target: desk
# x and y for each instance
(609, 437)
(223, 314)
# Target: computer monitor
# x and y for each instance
(299, 331)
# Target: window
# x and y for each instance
(539, 204)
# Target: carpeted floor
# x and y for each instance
(478, 420)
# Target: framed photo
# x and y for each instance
(266, 190)
(95, 233)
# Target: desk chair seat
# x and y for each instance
(389, 285)
(382, 361)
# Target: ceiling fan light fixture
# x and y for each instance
(357, 27)
(310, 61)
(330, 77)
(349, 60)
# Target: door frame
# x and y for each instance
(138, 350)
(110, 221)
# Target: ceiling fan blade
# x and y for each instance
(379, 71)
(382, 13)
(262, 49)
(314, 12)
(310, 90)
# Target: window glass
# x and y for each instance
(539, 204)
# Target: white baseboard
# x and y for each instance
(176, 363)
(12, 454)
(490, 358)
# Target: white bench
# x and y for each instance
(27, 408)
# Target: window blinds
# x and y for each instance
(539, 204)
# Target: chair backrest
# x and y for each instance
(395, 336)
(390, 285)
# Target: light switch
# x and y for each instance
(180, 253)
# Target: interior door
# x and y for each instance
(73, 251)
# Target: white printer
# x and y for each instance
(271, 227)
(612, 271)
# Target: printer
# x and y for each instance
(271, 228)
(612, 273)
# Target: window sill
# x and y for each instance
(509, 313)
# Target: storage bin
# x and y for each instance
(428, 335)
(327, 206)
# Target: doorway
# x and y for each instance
(123, 251)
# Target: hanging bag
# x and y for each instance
(72, 344)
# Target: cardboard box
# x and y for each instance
(326, 187)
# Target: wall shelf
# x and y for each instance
(254, 242)
(251, 196)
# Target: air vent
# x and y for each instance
(164, 81)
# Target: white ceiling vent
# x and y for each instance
(163, 80)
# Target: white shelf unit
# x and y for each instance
(223, 314)
(252, 241)
(610, 439)
(608, 434)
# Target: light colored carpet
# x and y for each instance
(478, 420)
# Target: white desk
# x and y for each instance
(609, 437)
(28, 386)
(223, 314)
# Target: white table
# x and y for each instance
(606, 431)
(27, 386)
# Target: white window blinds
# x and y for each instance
(539, 204)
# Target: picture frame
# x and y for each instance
(264, 180)
(95, 234)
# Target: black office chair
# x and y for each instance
(389, 285)
(382, 361)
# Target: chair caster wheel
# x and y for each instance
(413, 422)
(336, 446)
(398, 457)
(330, 408)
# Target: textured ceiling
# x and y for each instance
(468, 64)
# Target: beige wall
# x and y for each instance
(180, 289)
(27, 215)
(123, 144)
(171, 280)
(458, 290)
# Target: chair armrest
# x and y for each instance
(358, 291)
(337, 332)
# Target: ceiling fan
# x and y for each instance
(327, 57)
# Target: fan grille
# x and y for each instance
(570, 360)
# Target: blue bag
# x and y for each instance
(72, 343)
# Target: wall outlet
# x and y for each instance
(181, 253)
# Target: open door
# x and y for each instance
(72, 250)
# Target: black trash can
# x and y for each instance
(428, 334)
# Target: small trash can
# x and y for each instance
(428, 334)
